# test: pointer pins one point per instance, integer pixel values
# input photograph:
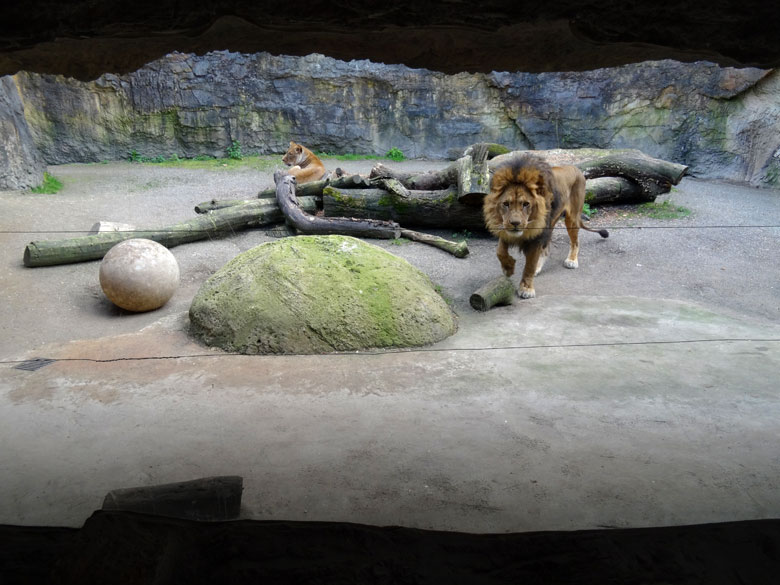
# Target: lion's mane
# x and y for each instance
(531, 172)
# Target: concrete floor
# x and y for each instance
(638, 390)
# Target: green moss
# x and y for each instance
(343, 198)
(312, 294)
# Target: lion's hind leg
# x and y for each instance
(573, 227)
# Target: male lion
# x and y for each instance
(305, 166)
(527, 198)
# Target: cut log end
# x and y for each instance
(499, 291)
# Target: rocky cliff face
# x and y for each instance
(722, 122)
(21, 165)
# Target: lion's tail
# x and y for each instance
(602, 233)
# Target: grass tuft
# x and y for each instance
(50, 185)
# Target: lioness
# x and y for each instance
(304, 164)
(527, 198)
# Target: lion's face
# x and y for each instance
(294, 156)
(516, 207)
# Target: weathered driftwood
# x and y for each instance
(499, 291)
(457, 249)
(422, 209)
(208, 498)
(392, 186)
(312, 189)
(653, 176)
(473, 175)
(310, 224)
(351, 226)
(210, 225)
(636, 166)
(613, 190)
(492, 149)
(428, 181)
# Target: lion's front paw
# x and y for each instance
(571, 263)
(526, 293)
(508, 266)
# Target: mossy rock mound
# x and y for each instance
(318, 294)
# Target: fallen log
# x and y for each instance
(499, 291)
(421, 209)
(604, 190)
(493, 149)
(209, 498)
(653, 176)
(309, 224)
(392, 186)
(457, 249)
(314, 188)
(637, 166)
(365, 228)
(428, 181)
(210, 225)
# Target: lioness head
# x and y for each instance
(295, 155)
(519, 200)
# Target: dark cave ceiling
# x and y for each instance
(84, 38)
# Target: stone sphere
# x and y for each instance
(139, 275)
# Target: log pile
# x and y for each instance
(385, 204)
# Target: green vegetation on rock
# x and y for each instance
(318, 294)
(234, 151)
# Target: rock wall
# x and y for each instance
(21, 165)
(722, 122)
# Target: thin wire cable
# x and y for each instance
(416, 350)
(557, 228)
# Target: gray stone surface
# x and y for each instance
(21, 165)
(722, 122)
(318, 294)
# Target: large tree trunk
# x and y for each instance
(429, 181)
(654, 176)
(211, 225)
(637, 166)
(613, 190)
(422, 209)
